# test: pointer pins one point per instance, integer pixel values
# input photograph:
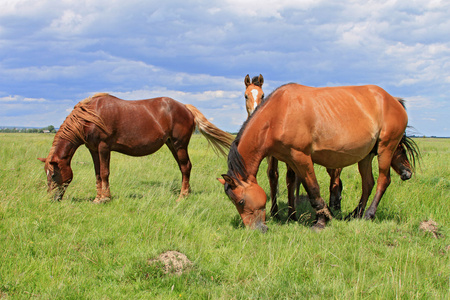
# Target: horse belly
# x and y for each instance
(334, 160)
(141, 137)
(139, 148)
(341, 151)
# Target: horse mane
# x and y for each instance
(255, 81)
(412, 150)
(236, 164)
(72, 128)
(401, 101)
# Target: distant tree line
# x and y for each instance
(48, 129)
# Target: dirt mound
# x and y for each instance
(173, 262)
(430, 226)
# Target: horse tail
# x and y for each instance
(218, 139)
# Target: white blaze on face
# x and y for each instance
(255, 96)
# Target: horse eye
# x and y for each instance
(262, 97)
(246, 96)
(241, 202)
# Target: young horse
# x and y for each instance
(334, 127)
(253, 97)
(105, 123)
(253, 93)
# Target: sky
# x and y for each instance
(55, 53)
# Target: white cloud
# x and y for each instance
(18, 99)
(9, 99)
(199, 52)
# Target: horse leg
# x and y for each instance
(104, 159)
(272, 174)
(335, 189)
(180, 153)
(304, 168)
(291, 185)
(98, 179)
(384, 179)
(365, 170)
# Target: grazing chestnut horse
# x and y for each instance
(105, 123)
(253, 97)
(332, 126)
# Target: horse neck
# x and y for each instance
(62, 150)
(252, 148)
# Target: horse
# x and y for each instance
(253, 97)
(253, 93)
(331, 126)
(105, 123)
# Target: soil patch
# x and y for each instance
(173, 262)
(430, 226)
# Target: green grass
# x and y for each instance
(77, 250)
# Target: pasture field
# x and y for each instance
(75, 249)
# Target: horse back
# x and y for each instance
(141, 127)
(345, 122)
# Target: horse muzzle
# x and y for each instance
(261, 227)
(259, 221)
(59, 192)
(406, 175)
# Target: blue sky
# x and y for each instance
(56, 53)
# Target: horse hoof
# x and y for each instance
(102, 200)
(369, 217)
(354, 215)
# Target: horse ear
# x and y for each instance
(247, 80)
(42, 159)
(261, 80)
(228, 179)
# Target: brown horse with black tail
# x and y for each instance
(105, 123)
(334, 127)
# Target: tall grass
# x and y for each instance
(77, 250)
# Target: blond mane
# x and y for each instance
(72, 128)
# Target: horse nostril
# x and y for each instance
(406, 175)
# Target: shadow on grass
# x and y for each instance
(81, 199)
(236, 222)
(306, 214)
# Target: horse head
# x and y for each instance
(400, 163)
(59, 175)
(405, 156)
(249, 199)
(253, 92)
